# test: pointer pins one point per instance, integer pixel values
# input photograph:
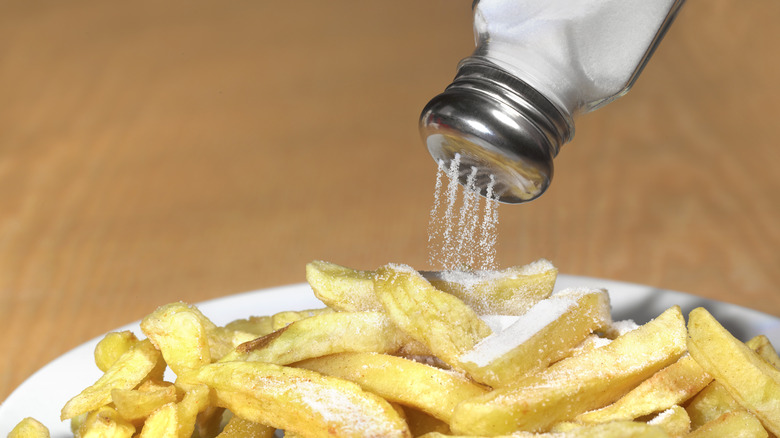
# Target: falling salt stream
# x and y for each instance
(462, 231)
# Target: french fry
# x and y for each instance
(180, 332)
(324, 334)
(576, 384)
(133, 404)
(432, 390)
(105, 422)
(29, 428)
(438, 320)
(709, 404)
(162, 423)
(237, 427)
(538, 338)
(751, 380)
(299, 400)
(674, 421)
(195, 400)
(342, 288)
(129, 370)
(763, 347)
(111, 347)
(668, 387)
(739, 423)
(256, 325)
(614, 429)
(510, 291)
(283, 319)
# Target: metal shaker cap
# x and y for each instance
(499, 125)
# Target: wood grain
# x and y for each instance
(161, 151)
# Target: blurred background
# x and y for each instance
(160, 151)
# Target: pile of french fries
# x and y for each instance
(401, 353)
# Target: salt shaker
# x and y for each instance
(537, 65)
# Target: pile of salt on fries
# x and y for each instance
(401, 353)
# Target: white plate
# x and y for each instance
(45, 392)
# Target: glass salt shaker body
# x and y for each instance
(537, 65)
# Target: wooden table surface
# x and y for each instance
(160, 151)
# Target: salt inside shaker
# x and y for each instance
(537, 65)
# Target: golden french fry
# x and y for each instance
(283, 319)
(739, 423)
(222, 341)
(128, 371)
(709, 404)
(256, 325)
(299, 400)
(510, 291)
(538, 338)
(111, 347)
(29, 428)
(438, 320)
(432, 390)
(134, 404)
(163, 423)
(668, 387)
(195, 400)
(105, 422)
(209, 422)
(342, 288)
(761, 345)
(674, 421)
(576, 384)
(613, 429)
(180, 332)
(751, 380)
(324, 334)
(237, 427)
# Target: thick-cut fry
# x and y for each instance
(614, 429)
(135, 404)
(538, 338)
(256, 325)
(671, 386)
(127, 372)
(29, 428)
(324, 334)
(237, 427)
(440, 321)
(709, 404)
(299, 400)
(105, 422)
(342, 288)
(180, 332)
(751, 380)
(510, 291)
(734, 424)
(674, 421)
(576, 384)
(195, 400)
(112, 347)
(163, 423)
(432, 390)
(283, 319)
(763, 347)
